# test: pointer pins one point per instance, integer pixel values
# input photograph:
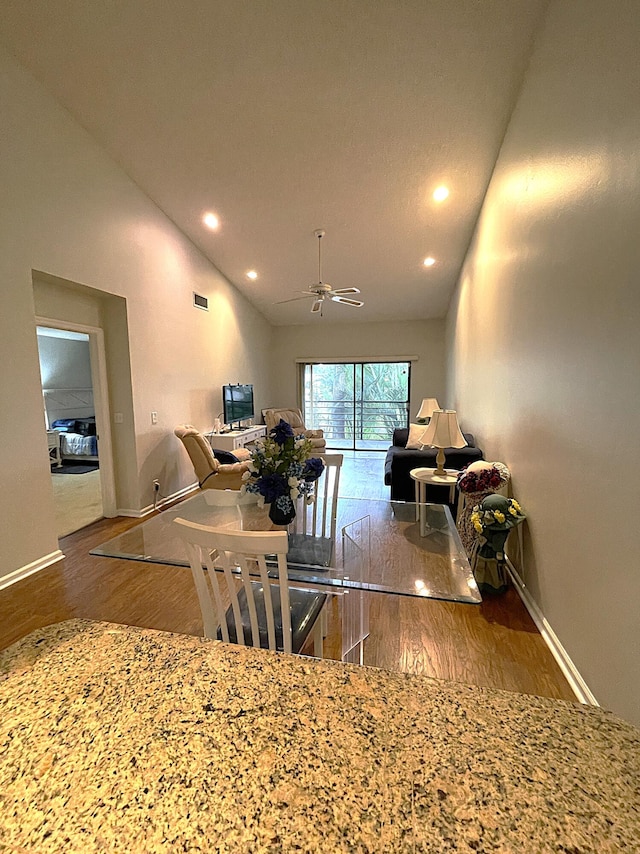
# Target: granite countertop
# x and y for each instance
(130, 740)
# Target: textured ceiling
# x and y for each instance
(284, 116)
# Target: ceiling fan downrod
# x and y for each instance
(319, 233)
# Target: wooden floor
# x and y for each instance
(492, 645)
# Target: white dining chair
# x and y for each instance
(240, 603)
(312, 535)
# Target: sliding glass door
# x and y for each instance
(357, 404)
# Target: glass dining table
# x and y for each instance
(411, 550)
(382, 547)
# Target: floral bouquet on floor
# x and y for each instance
(281, 471)
(483, 477)
(475, 482)
(492, 519)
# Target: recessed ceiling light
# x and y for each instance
(429, 262)
(440, 193)
(252, 274)
(211, 221)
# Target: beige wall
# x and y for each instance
(67, 211)
(358, 341)
(544, 350)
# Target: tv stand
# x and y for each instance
(235, 439)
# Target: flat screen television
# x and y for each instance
(237, 403)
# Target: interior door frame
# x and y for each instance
(100, 385)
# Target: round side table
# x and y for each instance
(424, 476)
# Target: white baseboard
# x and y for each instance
(570, 671)
(30, 569)
(53, 557)
(167, 499)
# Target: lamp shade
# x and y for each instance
(427, 407)
(443, 430)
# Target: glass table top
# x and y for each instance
(381, 546)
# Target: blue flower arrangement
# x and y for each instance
(281, 470)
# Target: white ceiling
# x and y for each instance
(284, 116)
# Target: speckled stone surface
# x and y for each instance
(128, 740)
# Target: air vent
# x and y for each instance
(200, 302)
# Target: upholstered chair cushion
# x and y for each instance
(314, 434)
(291, 416)
(294, 418)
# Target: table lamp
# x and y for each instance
(443, 432)
(427, 407)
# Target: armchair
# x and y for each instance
(211, 473)
(294, 418)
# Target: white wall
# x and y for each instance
(64, 363)
(68, 211)
(544, 350)
(358, 341)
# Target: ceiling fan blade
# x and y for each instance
(317, 306)
(354, 302)
(344, 291)
(292, 299)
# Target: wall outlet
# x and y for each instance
(154, 417)
(118, 418)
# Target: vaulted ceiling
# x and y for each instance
(285, 116)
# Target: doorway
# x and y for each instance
(73, 381)
(357, 404)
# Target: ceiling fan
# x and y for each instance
(322, 290)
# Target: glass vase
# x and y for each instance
(282, 517)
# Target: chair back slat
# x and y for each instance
(206, 558)
(210, 612)
(319, 518)
(324, 487)
(242, 561)
(284, 602)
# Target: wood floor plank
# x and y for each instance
(495, 644)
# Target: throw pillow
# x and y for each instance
(415, 435)
(225, 457)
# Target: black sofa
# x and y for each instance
(400, 461)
